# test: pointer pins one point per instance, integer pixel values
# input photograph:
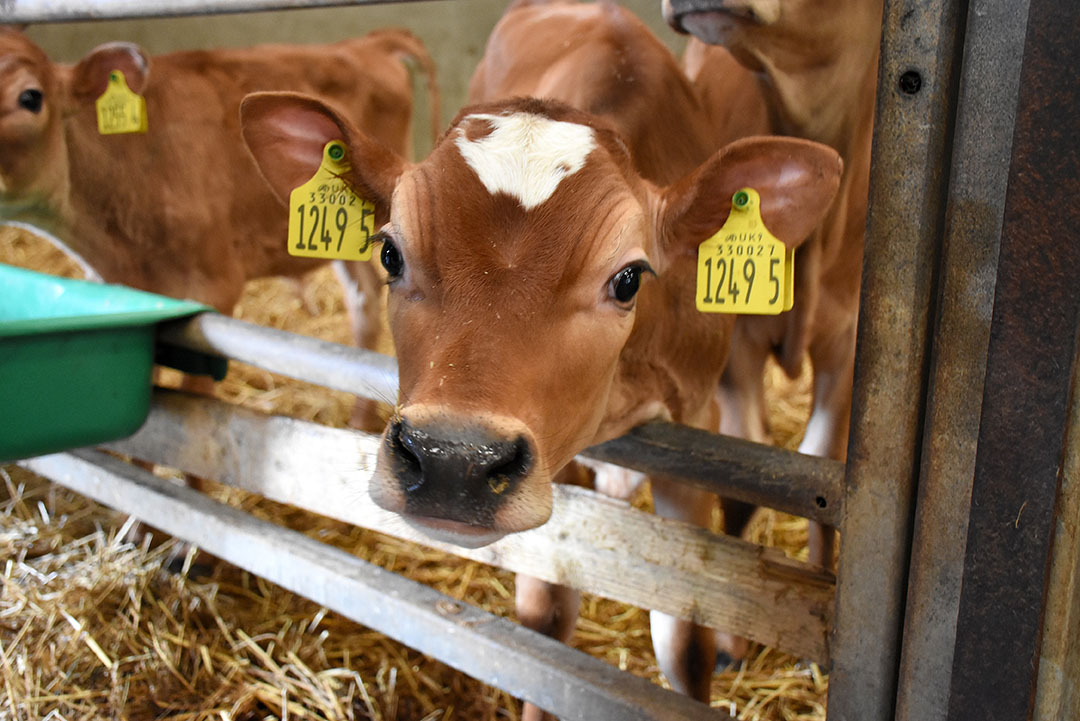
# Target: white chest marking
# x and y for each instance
(526, 155)
(820, 430)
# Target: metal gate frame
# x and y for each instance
(962, 438)
(959, 440)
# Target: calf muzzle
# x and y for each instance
(459, 474)
(706, 18)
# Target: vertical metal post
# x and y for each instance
(1029, 368)
(1057, 695)
(909, 176)
(989, 84)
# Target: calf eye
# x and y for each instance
(624, 285)
(31, 100)
(391, 259)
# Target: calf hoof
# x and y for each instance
(724, 661)
(201, 567)
(201, 564)
(730, 650)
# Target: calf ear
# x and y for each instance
(797, 181)
(90, 76)
(286, 134)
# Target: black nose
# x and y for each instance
(456, 473)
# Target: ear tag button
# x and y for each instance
(326, 218)
(119, 109)
(744, 268)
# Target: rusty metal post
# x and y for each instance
(1032, 349)
(1057, 695)
(909, 175)
(989, 84)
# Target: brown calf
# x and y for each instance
(818, 63)
(731, 97)
(516, 252)
(602, 59)
(180, 210)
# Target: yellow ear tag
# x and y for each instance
(119, 110)
(326, 218)
(744, 268)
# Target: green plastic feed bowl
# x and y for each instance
(75, 360)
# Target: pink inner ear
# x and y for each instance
(90, 76)
(286, 135)
(797, 180)
(136, 70)
(304, 135)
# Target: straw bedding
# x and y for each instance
(92, 626)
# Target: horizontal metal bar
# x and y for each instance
(354, 370)
(619, 552)
(492, 649)
(44, 11)
(752, 472)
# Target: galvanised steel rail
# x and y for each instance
(46, 11)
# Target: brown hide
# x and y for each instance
(602, 59)
(179, 210)
(731, 96)
(818, 64)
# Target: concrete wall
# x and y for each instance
(454, 31)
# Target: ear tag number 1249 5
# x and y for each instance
(119, 109)
(326, 218)
(744, 268)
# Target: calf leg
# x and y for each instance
(737, 514)
(203, 386)
(550, 609)
(361, 287)
(826, 434)
(741, 392)
(743, 415)
(685, 651)
(546, 607)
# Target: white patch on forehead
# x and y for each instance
(526, 155)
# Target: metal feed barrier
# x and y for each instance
(958, 506)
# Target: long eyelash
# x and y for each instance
(383, 236)
(644, 266)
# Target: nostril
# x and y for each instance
(517, 464)
(408, 463)
(504, 476)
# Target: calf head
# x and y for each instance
(515, 254)
(35, 97)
